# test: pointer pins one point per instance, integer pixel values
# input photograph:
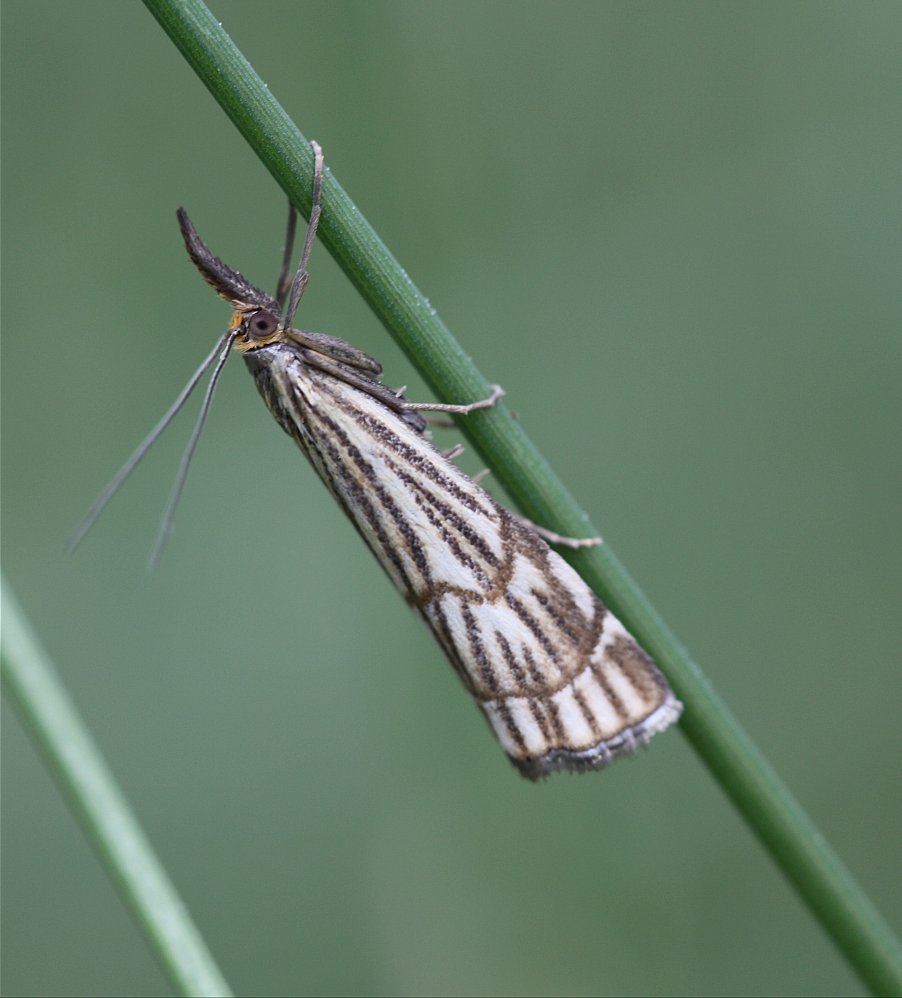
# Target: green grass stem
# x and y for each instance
(33, 686)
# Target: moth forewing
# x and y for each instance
(561, 682)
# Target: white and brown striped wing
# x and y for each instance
(562, 683)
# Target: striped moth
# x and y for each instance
(562, 683)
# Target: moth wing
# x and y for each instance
(562, 682)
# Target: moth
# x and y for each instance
(562, 683)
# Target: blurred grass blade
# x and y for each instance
(33, 686)
(755, 788)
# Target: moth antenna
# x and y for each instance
(118, 480)
(299, 283)
(287, 251)
(182, 476)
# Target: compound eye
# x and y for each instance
(262, 324)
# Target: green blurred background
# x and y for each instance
(672, 231)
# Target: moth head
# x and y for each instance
(257, 327)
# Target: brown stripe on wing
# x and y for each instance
(511, 725)
(373, 503)
(467, 547)
(587, 712)
(536, 629)
(477, 653)
(637, 667)
(613, 696)
(536, 704)
(443, 514)
(438, 624)
(431, 465)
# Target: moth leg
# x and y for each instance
(461, 410)
(285, 275)
(299, 284)
(547, 535)
(553, 538)
(452, 452)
